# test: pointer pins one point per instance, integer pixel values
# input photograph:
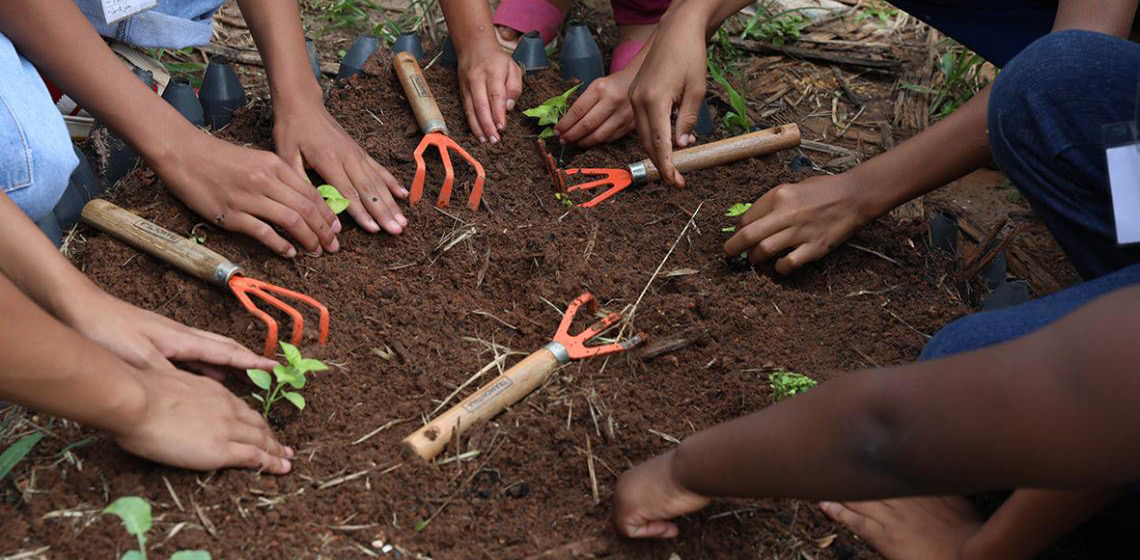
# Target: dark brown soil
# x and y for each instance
(429, 301)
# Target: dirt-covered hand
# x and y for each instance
(249, 191)
(490, 84)
(601, 114)
(148, 340)
(648, 496)
(672, 75)
(809, 218)
(311, 137)
(194, 422)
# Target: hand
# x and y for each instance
(648, 496)
(147, 340)
(811, 218)
(248, 191)
(490, 83)
(195, 423)
(672, 74)
(310, 135)
(601, 114)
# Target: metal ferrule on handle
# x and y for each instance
(721, 152)
(140, 233)
(419, 95)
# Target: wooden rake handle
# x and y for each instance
(419, 95)
(142, 234)
(480, 406)
(729, 150)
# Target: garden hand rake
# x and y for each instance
(194, 258)
(434, 128)
(701, 157)
(518, 381)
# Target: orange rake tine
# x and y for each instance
(322, 322)
(270, 324)
(243, 286)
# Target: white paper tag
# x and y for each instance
(115, 10)
(1124, 179)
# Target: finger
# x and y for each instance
(469, 110)
(803, 254)
(251, 457)
(497, 96)
(598, 114)
(867, 528)
(763, 206)
(295, 160)
(514, 85)
(772, 245)
(389, 181)
(687, 114)
(748, 236)
(213, 372)
(376, 200)
(261, 438)
(249, 416)
(304, 199)
(661, 142)
(647, 529)
(617, 125)
(338, 177)
(482, 105)
(289, 219)
(253, 227)
(579, 109)
(200, 346)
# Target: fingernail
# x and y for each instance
(290, 252)
(373, 226)
(827, 506)
(336, 226)
(403, 191)
(400, 218)
(500, 127)
(287, 464)
(335, 246)
(494, 139)
(562, 141)
(482, 139)
(510, 104)
(289, 452)
(394, 226)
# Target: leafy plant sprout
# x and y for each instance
(737, 118)
(785, 384)
(135, 514)
(735, 211)
(336, 201)
(285, 377)
(549, 112)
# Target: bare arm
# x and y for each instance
(1031, 519)
(238, 188)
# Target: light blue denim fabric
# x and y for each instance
(36, 157)
(174, 24)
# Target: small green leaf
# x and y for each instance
(296, 380)
(133, 555)
(292, 355)
(259, 377)
(191, 555)
(728, 229)
(421, 524)
(308, 364)
(738, 209)
(785, 384)
(257, 397)
(295, 398)
(546, 133)
(540, 111)
(282, 373)
(17, 451)
(337, 203)
(134, 513)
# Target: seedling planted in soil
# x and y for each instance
(291, 375)
(737, 118)
(549, 112)
(134, 512)
(337, 202)
(785, 384)
(735, 211)
(17, 451)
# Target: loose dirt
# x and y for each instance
(415, 315)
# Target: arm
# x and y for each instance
(1031, 519)
(240, 189)
(489, 81)
(1053, 409)
(144, 339)
(165, 415)
(304, 131)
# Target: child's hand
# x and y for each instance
(148, 340)
(647, 497)
(601, 114)
(490, 84)
(673, 74)
(193, 422)
(248, 191)
(310, 135)
(811, 218)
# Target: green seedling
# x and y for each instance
(737, 118)
(337, 203)
(563, 199)
(735, 211)
(962, 78)
(549, 112)
(785, 384)
(17, 451)
(134, 512)
(881, 11)
(290, 375)
(777, 29)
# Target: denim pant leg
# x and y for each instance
(994, 327)
(1046, 114)
(36, 155)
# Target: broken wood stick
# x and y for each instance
(891, 66)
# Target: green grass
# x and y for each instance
(784, 27)
(962, 78)
(878, 10)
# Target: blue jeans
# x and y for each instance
(36, 156)
(1045, 117)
